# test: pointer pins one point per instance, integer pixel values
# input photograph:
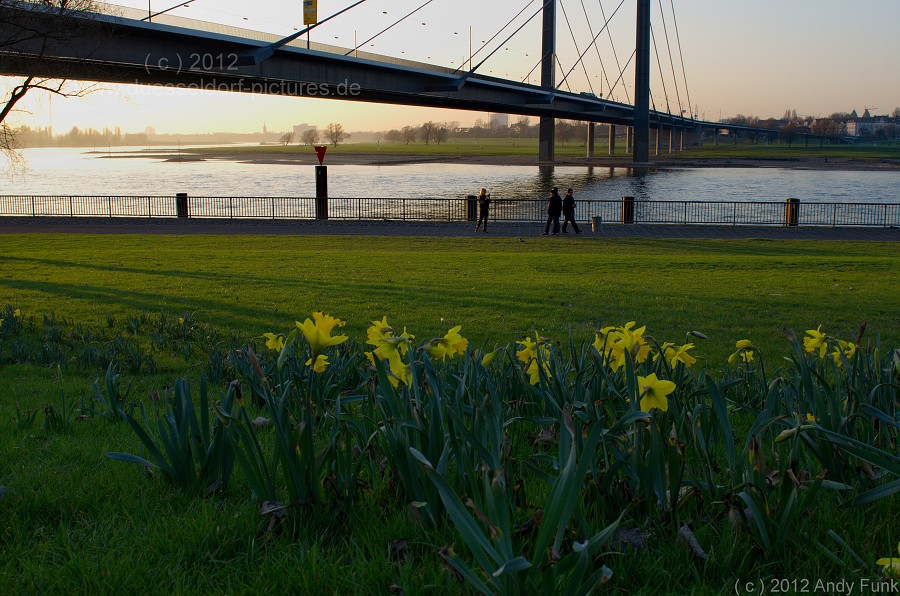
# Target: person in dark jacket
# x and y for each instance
(554, 210)
(484, 203)
(568, 208)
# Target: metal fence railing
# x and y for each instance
(625, 210)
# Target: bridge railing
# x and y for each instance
(683, 212)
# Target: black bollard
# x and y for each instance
(627, 210)
(321, 192)
(792, 213)
(181, 205)
(471, 208)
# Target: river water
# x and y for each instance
(65, 171)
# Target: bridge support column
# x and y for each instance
(657, 140)
(734, 137)
(671, 139)
(716, 137)
(642, 84)
(590, 139)
(629, 139)
(547, 139)
(547, 127)
(681, 140)
(612, 140)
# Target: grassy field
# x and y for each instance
(498, 289)
(575, 148)
(71, 520)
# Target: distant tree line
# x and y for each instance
(334, 133)
(78, 137)
(439, 132)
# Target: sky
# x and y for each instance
(759, 57)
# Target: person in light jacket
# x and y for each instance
(484, 204)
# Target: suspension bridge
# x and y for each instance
(115, 44)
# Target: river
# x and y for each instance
(67, 171)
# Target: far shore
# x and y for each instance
(347, 157)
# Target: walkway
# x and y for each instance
(85, 225)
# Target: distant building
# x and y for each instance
(299, 129)
(869, 125)
(499, 120)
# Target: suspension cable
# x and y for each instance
(603, 12)
(605, 26)
(258, 56)
(593, 43)
(558, 63)
(522, 26)
(541, 59)
(623, 72)
(671, 62)
(659, 66)
(681, 58)
(149, 17)
(390, 26)
(502, 29)
(572, 33)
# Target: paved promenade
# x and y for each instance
(87, 225)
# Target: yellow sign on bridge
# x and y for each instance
(309, 12)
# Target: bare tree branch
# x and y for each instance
(33, 29)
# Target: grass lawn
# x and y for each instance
(72, 520)
(497, 289)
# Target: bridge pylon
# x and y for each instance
(547, 127)
(642, 84)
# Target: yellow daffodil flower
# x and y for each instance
(379, 330)
(534, 374)
(653, 392)
(602, 341)
(529, 355)
(450, 345)
(528, 351)
(381, 336)
(664, 349)
(745, 349)
(626, 339)
(318, 332)
(181, 320)
(816, 341)
(810, 418)
(274, 341)
(17, 313)
(680, 355)
(489, 357)
(320, 363)
(891, 565)
(371, 357)
(847, 347)
(400, 371)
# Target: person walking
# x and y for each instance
(484, 203)
(568, 208)
(554, 210)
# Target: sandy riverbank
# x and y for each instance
(399, 159)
